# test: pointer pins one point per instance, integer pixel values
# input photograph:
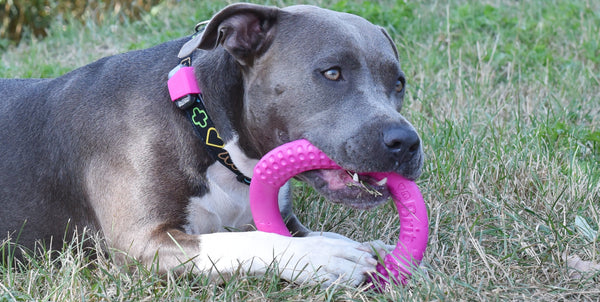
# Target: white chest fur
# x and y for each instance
(226, 206)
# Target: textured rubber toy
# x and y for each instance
(285, 161)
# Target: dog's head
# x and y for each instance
(332, 78)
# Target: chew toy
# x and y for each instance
(285, 161)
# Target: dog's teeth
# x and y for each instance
(355, 177)
(382, 182)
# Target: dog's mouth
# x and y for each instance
(356, 190)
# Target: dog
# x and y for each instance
(103, 147)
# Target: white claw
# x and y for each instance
(355, 177)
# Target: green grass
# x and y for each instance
(506, 96)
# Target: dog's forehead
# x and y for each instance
(319, 28)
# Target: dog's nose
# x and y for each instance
(403, 142)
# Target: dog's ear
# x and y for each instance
(245, 30)
(387, 35)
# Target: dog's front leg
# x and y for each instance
(297, 259)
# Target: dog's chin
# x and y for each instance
(348, 188)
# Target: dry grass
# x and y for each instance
(506, 95)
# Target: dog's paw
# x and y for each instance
(379, 248)
(329, 235)
(325, 260)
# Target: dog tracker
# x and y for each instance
(282, 163)
(182, 85)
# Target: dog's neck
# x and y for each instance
(221, 81)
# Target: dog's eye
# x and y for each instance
(333, 74)
(399, 85)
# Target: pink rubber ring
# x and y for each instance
(285, 161)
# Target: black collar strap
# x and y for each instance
(186, 94)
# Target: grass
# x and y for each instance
(506, 96)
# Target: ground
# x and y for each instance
(506, 96)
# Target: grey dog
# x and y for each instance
(104, 148)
